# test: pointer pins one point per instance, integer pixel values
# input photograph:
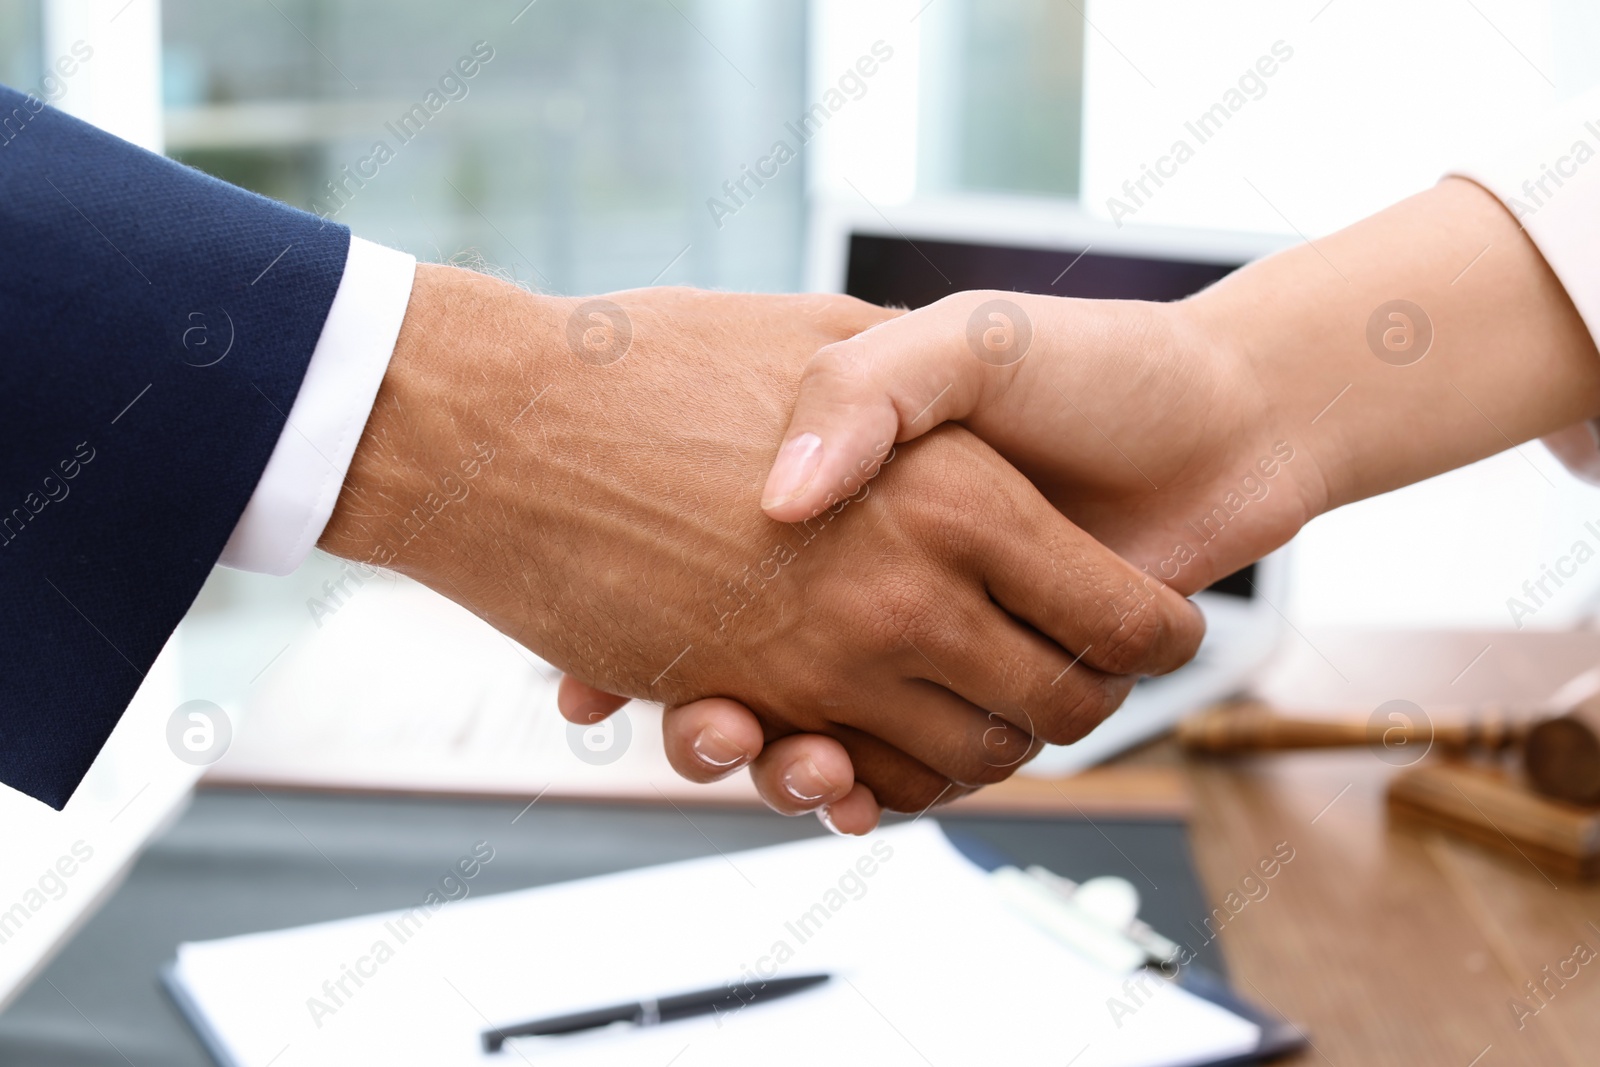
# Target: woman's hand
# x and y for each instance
(1133, 418)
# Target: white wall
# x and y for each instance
(1377, 100)
(119, 87)
(868, 148)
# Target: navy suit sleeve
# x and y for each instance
(157, 324)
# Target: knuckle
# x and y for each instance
(946, 637)
(906, 612)
(838, 368)
(1001, 753)
(879, 635)
(910, 794)
(1139, 635)
(982, 757)
(984, 774)
(824, 696)
(942, 511)
(1077, 707)
(843, 614)
(1186, 630)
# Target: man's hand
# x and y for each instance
(1112, 400)
(586, 476)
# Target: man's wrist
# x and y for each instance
(438, 421)
(298, 489)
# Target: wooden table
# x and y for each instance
(1393, 944)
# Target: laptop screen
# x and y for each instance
(912, 273)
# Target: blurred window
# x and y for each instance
(20, 44)
(1002, 97)
(574, 146)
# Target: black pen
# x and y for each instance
(660, 1010)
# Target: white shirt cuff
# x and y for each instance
(1549, 178)
(301, 483)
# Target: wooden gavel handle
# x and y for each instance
(1249, 726)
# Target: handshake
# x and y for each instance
(881, 558)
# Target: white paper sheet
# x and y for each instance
(929, 966)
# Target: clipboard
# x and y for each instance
(252, 982)
(1279, 1036)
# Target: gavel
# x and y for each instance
(1560, 751)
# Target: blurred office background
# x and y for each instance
(582, 157)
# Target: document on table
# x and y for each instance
(929, 967)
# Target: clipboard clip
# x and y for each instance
(1098, 919)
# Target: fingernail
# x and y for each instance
(825, 817)
(590, 708)
(714, 748)
(793, 470)
(805, 783)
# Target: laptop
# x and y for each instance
(912, 255)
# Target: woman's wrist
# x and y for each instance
(1416, 341)
(1249, 451)
(1269, 389)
